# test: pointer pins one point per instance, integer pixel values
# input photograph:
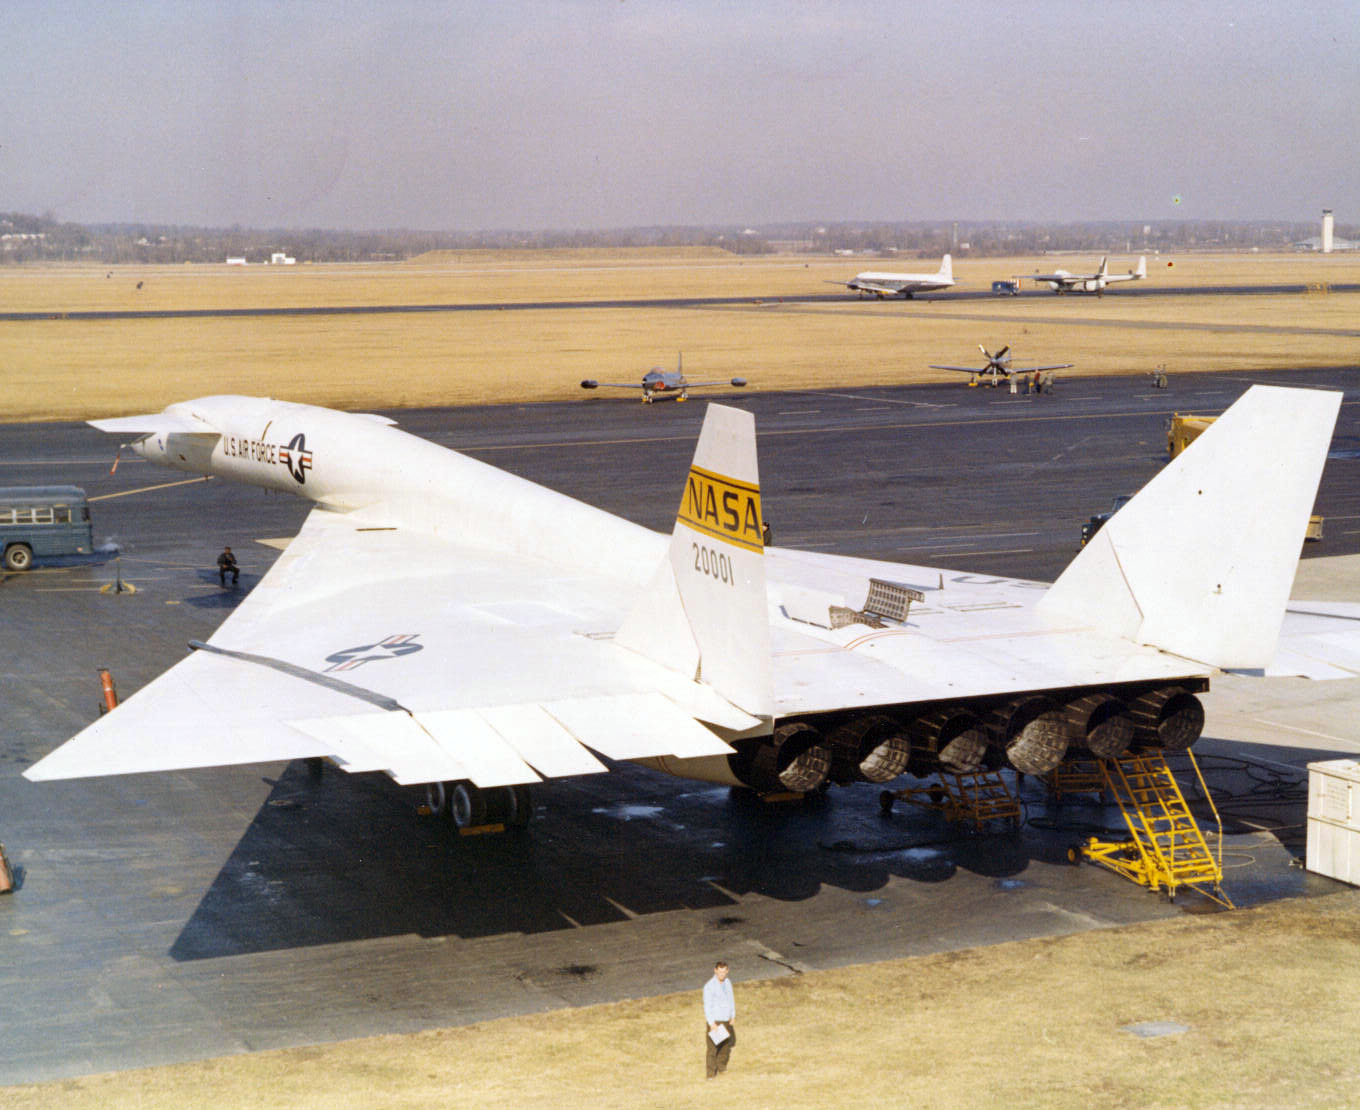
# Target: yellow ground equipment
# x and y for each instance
(976, 797)
(1183, 430)
(1167, 849)
(1075, 776)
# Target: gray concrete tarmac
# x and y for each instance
(185, 915)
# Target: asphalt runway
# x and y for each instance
(171, 917)
(1135, 289)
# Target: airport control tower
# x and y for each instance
(1326, 244)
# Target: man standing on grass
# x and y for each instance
(720, 1011)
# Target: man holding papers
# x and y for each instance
(720, 1010)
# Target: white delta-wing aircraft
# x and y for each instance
(1060, 281)
(456, 626)
(902, 285)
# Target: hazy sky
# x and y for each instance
(612, 113)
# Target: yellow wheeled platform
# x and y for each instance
(1167, 849)
(1075, 776)
(977, 797)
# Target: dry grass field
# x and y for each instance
(1267, 998)
(71, 369)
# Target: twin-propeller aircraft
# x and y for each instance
(660, 384)
(455, 626)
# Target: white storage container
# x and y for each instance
(1334, 819)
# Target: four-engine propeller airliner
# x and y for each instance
(902, 285)
(660, 384)
(999, 367)
(455, 626)
(1060, 281)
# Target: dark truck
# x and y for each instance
(1094, 525)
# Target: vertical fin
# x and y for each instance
(705, 613)
(1201, 561)
(946, 268)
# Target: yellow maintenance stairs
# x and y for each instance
(975, 797)
(1167, 849)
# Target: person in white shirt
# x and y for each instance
(720, 1011)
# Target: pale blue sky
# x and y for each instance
(615, 113)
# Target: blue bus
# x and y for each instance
(41, 521)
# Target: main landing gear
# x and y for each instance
(474, 810)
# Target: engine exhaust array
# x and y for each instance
(1032, 733)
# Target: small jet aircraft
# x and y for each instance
(660, 384)
(902, 285)
(1060, 281)
(462, 629)
(998, 367)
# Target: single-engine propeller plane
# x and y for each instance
(462, 629)
(660, 384)
(998, 367)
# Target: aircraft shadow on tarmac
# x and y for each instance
(346, 857)
(334, 857)
(223, 597)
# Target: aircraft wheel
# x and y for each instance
(436, 799)
(1074, 854)
(467, 805)
(18, 556)
(499, 805)
(522, 806)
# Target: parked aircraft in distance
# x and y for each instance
(1060, 281)
(461, 628)
(998, 367)
(660, 384)
(902, 285)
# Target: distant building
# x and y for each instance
(1327, 241)
(1338, 244)
(278, 258)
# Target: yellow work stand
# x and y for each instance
(1075, 776)
(976, 797)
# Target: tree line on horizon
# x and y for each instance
(28, 238)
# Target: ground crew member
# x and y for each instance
(720, 1011)
(226, 564)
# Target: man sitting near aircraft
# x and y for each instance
(226, 564)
